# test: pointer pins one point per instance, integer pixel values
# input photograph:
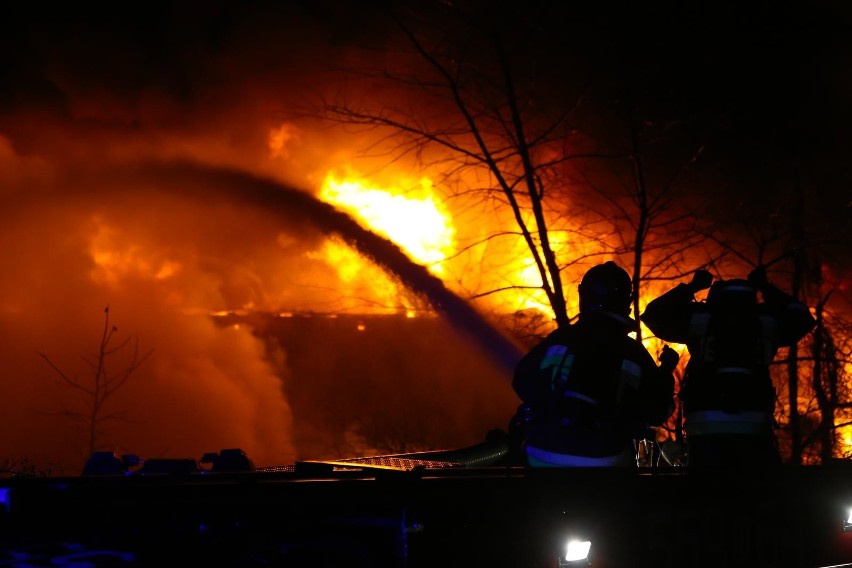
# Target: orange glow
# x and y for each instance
(415, 217)
(166, 195)
(279, 138)
(531, 298)
(412, 217)
(116, 258)
(360, 280)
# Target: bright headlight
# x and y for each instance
(847, 522)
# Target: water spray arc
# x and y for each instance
(208, 182)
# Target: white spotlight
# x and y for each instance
(576, 553)
(847, 522)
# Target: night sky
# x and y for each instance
(762, 85)
(88, 91)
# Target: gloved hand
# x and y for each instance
(701, 280)
(669, 358)
(757, 278)
(519, 422)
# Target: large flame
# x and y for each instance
(415, 217)
(74, 246)
(365, 287)
(410, 215)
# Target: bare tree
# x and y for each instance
(826, 398)
(480, 100)
(101, 384)
(489, 127)
(585, 163)
(580, 165)
(810, 377)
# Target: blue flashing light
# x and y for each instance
(5, 498)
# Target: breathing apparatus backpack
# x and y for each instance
(728, 366)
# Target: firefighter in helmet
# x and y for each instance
(727, 393)
(589, 389)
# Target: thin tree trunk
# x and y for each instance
(799, 275)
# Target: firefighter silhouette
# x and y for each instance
(727, 393)
(589, 389)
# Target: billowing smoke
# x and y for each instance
(146, 165)
(99, 217)
(161, 265)
(164, 245)
(89, 222)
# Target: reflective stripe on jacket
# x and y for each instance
(750, 423)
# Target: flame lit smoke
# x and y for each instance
(164, 244)
(164, 250)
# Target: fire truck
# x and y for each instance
(462, 507)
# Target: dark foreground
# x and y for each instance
(429, 510)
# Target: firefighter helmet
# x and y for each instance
(606, 286)
(733, 296)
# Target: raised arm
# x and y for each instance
(668, 316)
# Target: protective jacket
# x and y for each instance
(727, 389)
(591, 390)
